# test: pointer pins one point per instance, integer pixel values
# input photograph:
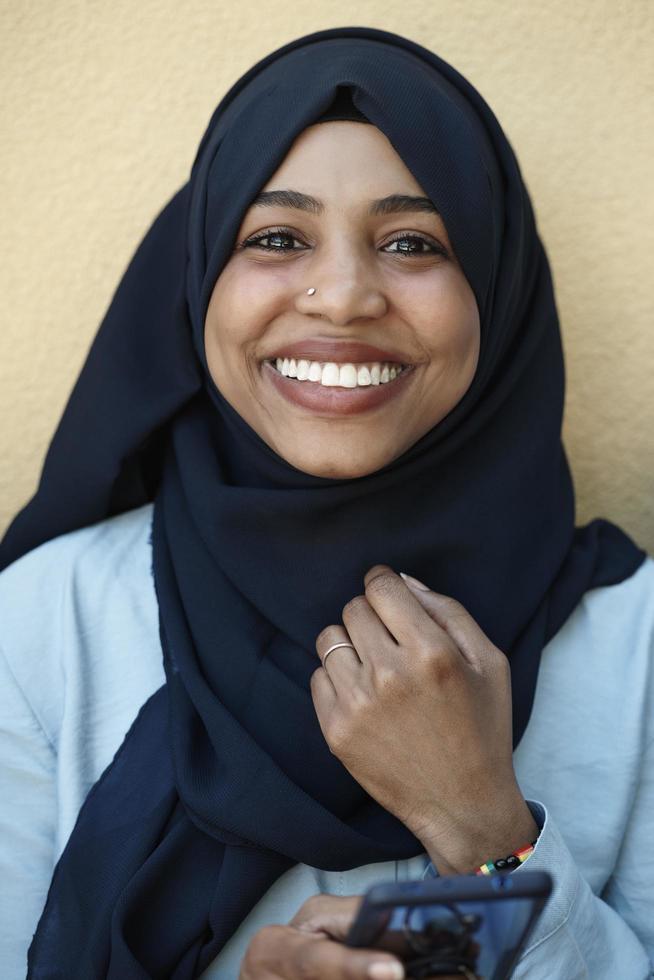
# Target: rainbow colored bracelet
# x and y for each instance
(509, 863)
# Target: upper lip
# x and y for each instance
(339, 351)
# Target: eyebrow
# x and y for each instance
(393, 204)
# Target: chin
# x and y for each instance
(336, 467)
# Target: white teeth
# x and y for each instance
(330, 376)
(333, 375)
(347, 376)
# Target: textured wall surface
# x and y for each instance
(103, 105)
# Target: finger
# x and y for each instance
(367, 631)
(287, 953)
(454, 618)
(323, 693)
(266, 955)
(402, 613)
(332, 960)
(342, 664)
(331, 914)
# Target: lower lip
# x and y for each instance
(335, 400)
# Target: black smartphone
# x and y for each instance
(471, 926)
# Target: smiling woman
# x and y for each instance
(394, 337)
(334, 364)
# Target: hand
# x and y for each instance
(420, 715)
(332, 916)
(312, 946)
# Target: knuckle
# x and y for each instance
(452, 605)
(313, 905)
(322, 635)
(382, 586)
(358, 698)
(337, 737)
(259, 949)
(427, 647)
(327, 636)
(452, 609)
(502, 664)
(352, 607)
(386, 679)
(442, 665)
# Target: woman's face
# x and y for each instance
(388, 343)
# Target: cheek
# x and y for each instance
(450, 330)
(237, 316)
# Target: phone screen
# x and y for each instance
(473, 937)
(482, 937)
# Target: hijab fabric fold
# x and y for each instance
(224, 780)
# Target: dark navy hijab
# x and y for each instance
(224, 780)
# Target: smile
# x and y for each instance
(336, 389)
(329, 374)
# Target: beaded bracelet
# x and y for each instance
(508, 863)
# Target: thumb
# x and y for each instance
(415, 583)
(452, 617)
(439, 607)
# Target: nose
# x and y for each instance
(346, 289)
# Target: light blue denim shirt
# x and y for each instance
(81, 654)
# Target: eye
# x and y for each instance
(415, 243)
(281, 239)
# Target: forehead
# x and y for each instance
(343, 158)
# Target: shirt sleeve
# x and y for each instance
(27, 823)
(583, 935)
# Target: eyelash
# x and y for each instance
(253, 242)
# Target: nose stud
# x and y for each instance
(311, 291)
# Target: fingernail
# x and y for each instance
(410, 580)
(386, 970)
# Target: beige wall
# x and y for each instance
(103, 105)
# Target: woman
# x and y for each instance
(334, 358)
